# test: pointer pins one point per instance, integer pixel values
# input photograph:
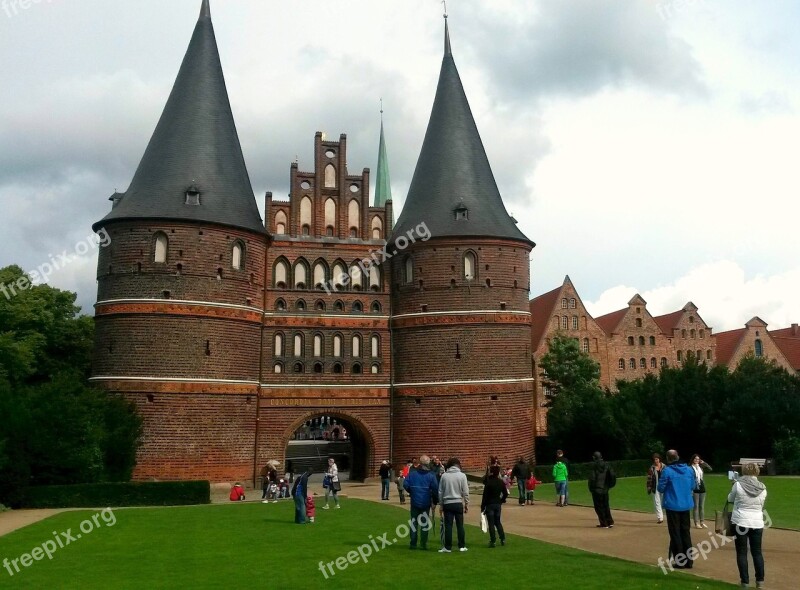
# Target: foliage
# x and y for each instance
(151, 493)
(55, 428)
(566, 366)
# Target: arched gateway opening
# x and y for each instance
(315, 438)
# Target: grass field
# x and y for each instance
(783, 496)
(258, 546)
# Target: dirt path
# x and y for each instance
(634, 537)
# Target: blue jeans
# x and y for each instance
(385, 489)
(299, 510)
(521, 490)
(493, 517)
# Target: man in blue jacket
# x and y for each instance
(423, 493)
(675, 486)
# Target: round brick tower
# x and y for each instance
(461, 329)
(180, 289)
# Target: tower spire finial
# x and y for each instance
(205, 9)
(381, 110)
(447, 50)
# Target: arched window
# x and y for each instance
(572, 303)
(708, 354)
(377, 228)
(632, 363)
(585, 345)
(356, 278)
(641, 340)
(621, 364)
(356, 346)
(574, 322)
(630, 340)
(642, 363)
(337, 368)
(299, 368)
(305, 213)
(298, 345)
(300, 274)
(278, 368)
(354, 216)
(237, 255)
(278, 348)
(330, 215)
(564, 322)
(160, 248)
(337, 345)
(702, 334)
(318, 368)
(638, 322)
(317, 345)
(330, 176)
(683, 333)
(357, 370)
(663, 361)
(653, 363)
(280, 223)
(376, 307)
(375, 346)
(320, 275)
(564, 303)
(319, 305)
(280, 305)
(358, 307)
(374, 278)
(680, 355)
(691, 333)
(339, 275)
(470, 266)
(375, 369)
(300, 305)
(408, 276)
(338, 306)
(281, 274)
(652, 340)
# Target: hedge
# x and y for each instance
(579, 471)
(93, 495)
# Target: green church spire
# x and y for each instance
(383, 186)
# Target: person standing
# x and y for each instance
(522, 472)
(560, 475)
(437, 467)
(653, 474)
(334, 485)
(560, 457)
(494, 496)
(748, 496)
(454, 498)
(300, 493)
(385, 473)
(675, 486)
(699, 495)
(423, 491)
(600, 480)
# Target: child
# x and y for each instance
(237, 492)
(400, 490)
(507, 479)
(311, 510)
(530, 486)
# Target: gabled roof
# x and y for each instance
(791, 332)
(453, 172)
(541, 308)
(195, 144)
(790, 347)
(727, 343)
(668, 322)
(610, 321)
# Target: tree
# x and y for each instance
(566, 366)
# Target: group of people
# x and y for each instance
(680, 490)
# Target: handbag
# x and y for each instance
(326, 481)
(722, 521)
(336, 486)
(484, 523)
(700, 487)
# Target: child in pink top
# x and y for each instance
(311, 510)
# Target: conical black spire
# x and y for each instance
(453, 189)
(195, 145)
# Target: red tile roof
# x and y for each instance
(727, 342)
(669, 321)
(541, 311)
(611, 320)
(792, 332)
(790, 347)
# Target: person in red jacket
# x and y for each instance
(530, 486)
(311, 510)
(237, 492)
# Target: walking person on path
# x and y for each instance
(560, 479)
(748, 496)
(334, 485)
(675, 486)
(454, 498)
(601, 479)
(300, 493)
(385, 472)
(653, 474)
(423, 492)
(522, 472)
(494, 496)
(699, 495)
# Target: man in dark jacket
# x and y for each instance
(676, 485)
(522, 472)
(494, 496)
(385, 472)
(299, 493)
(598, 486)
(423, 493)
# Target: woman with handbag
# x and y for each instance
(494, 496)
(698, 465)
(334, 487)
(748, 496)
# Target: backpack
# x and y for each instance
(611, 478)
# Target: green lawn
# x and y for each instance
(258, 546)
(783, 496)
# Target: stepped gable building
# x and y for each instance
(238, 339)
(689, 335)
(753, 339)
(461, 327)
(788, 340)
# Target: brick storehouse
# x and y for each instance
(231, 334)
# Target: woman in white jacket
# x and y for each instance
(748, 496)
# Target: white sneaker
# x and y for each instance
(463, 549)
(443, 550)
(265, 501)
(337, 506)
(704, 525)
(325, 507)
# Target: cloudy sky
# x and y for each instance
(646, 146)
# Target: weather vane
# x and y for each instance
(444, 2)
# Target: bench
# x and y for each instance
(765, 465)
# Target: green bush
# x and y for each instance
(163, 493)
(580, 471)
(4, 508)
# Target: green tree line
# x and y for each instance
(54, 427)
(752, 411)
